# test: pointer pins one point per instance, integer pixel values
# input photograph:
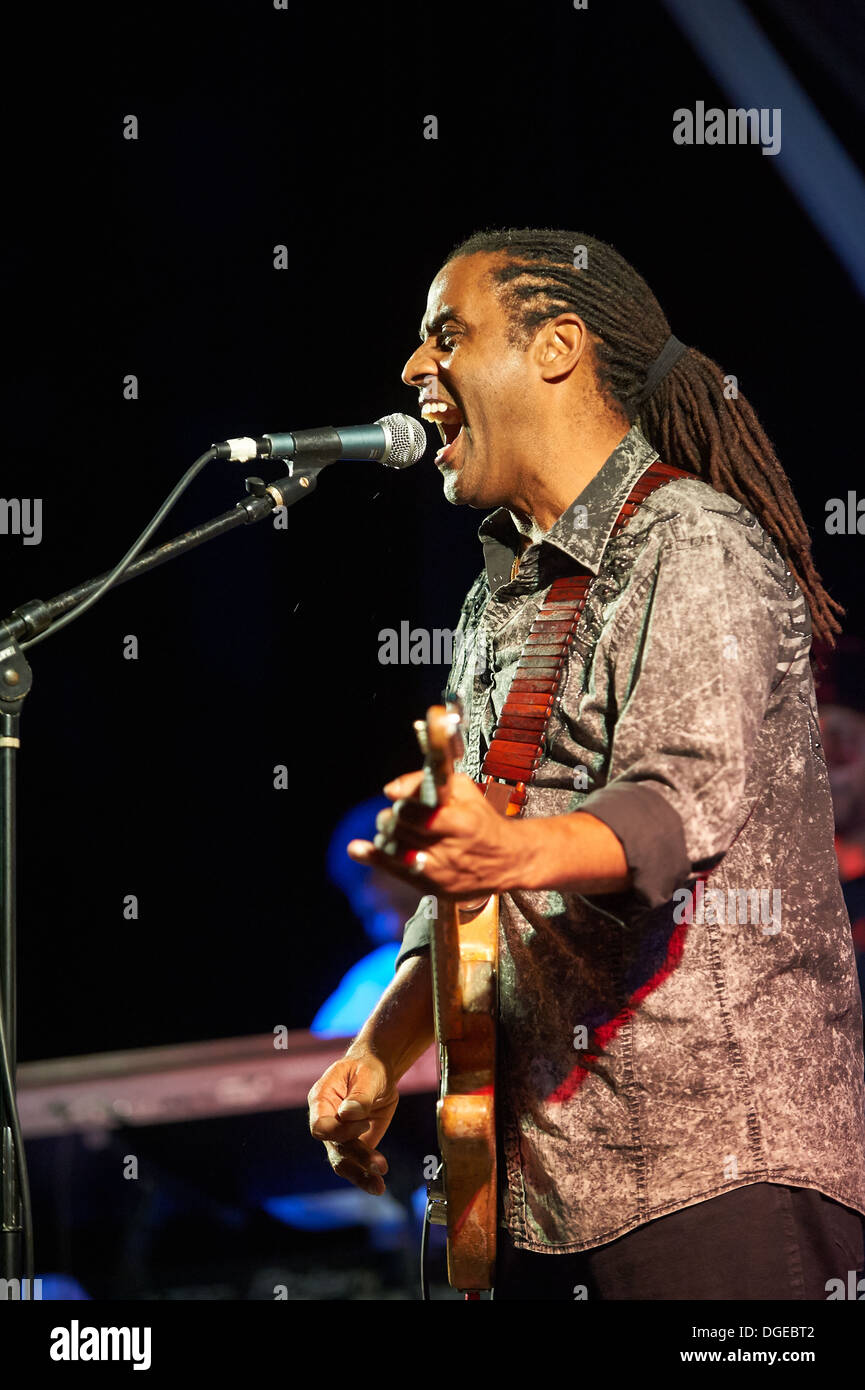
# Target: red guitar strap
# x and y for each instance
(517, 743)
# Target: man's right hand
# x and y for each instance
(350, 1108)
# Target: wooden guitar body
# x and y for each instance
(466, 1111)
(465, 940)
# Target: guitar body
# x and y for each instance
(465, 943)
(466, 1113)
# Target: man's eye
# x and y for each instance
(447, 340)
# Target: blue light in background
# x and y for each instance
(346, 1010)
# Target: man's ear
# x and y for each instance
(559, 345)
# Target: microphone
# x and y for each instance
(397, 440)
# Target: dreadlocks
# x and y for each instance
(688, 419)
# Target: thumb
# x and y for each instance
(361, 1096)
(354, 1108)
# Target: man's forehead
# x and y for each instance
(459, 289)
(436, 314)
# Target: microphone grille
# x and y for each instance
(406, 440)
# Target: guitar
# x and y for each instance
(464, 945)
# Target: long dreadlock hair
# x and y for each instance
(688, 418)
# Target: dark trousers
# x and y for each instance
(759, 1242)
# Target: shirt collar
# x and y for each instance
(583, 529)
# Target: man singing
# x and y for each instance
(680, 1094)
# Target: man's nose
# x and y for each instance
(421, 364)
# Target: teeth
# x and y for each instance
(432, 412)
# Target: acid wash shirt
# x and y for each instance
(663, 1045)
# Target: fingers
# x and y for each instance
(350, 1108)
(358, 1165)
(329, 1127)
(341, 1101)
(357, 1155)
(365, 853)
(408, 830)
(407, 785)
(407, 826)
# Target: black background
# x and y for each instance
(155, 257)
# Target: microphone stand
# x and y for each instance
(16, 679)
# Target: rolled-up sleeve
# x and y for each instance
(692, 657)
(416, 933)
(651, 834)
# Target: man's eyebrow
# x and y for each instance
(445, 315)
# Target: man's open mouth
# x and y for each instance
(449, 422)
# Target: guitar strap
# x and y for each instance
(517, 742)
